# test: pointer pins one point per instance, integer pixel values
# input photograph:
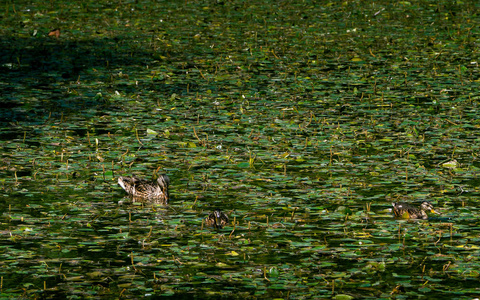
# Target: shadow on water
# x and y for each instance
(40, 75)
(48, 78)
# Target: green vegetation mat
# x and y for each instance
(301, 120)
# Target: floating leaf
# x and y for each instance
(150, 131)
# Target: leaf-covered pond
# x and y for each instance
(301, 120)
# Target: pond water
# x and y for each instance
(302, 121)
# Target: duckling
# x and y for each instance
(408, 211)
(139, 189)
(218, 219)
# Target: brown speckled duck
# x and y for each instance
(218, 219)
(139, 189)
(408, 211)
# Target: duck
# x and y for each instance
(217, 218)
(408, 211)
(140, 189)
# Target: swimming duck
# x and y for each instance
(408, 211)
(218, 219)
(139, 189)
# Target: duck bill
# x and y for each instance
(434, 212)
